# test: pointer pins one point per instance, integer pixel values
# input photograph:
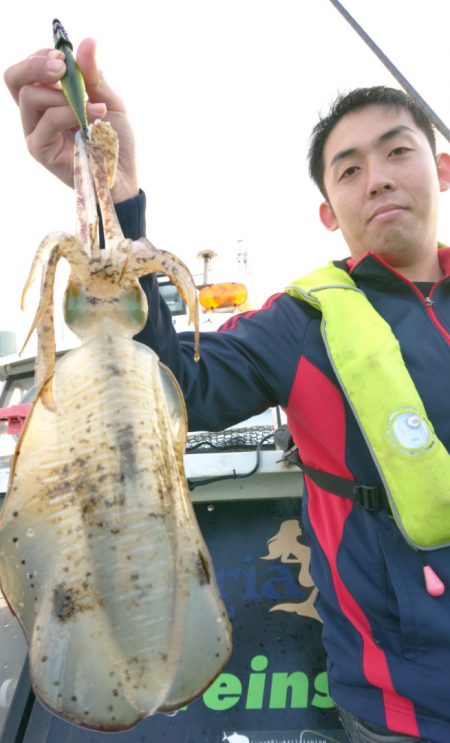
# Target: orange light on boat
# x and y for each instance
(222, 296)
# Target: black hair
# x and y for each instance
(353, 101)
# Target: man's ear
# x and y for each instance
(327, 216)
(443, 168)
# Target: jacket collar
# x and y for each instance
(372, 265)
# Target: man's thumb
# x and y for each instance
(97, 88)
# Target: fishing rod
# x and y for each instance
(406, 85)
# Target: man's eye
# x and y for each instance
(400, 150)
(348, 172)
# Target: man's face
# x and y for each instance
(382, 183)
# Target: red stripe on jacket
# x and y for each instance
(231, 323)
(315, 398)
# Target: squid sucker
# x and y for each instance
(101, 557)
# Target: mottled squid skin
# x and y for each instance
(101, 558)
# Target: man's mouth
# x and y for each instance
(387, 211)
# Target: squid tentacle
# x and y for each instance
(103, 161)
(52, 248)
(103, 135)
(140, 257)
(47, 245)
(86, 208)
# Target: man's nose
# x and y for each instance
(379, 179)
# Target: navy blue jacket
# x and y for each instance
(387, 639)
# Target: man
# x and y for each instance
(385, 604)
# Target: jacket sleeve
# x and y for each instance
(240, 372)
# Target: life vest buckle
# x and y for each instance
(370, 497)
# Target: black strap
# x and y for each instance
(371, 497)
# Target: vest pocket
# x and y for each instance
(399, 604)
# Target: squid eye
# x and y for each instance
(133, 307)
(76, 310)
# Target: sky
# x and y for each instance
(222, 97)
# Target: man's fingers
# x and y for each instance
(38, 103)
(45, 67)
(48, 121)
(51, 140)
(34, 101)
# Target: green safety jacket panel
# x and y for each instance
(365, 355)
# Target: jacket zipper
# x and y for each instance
(429, 302)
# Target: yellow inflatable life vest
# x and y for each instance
(413, 464)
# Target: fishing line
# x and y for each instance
(438, 123)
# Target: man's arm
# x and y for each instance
(227, 384)
(239, 373)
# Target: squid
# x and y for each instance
(101, 557)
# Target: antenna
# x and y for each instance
(207, 256)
